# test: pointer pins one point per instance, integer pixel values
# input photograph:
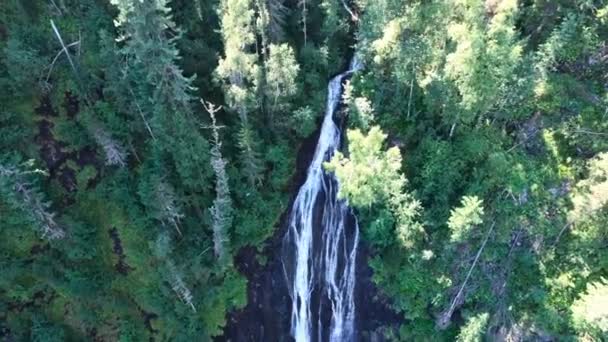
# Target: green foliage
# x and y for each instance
(304, 121)
(43, 330)
(238, 69)
(474, 329)
(465, 217)
(281, 72)
(360, 108)
(368, 174)
(15, 130)
(590, 313)
(485, 55)
(592, 192)
(23, 196)
(19, 57)
(248, 143)
(503, 99)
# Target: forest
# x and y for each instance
(151, 152)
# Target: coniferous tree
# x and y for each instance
(590, 312)
(463, 218)
(115, 154)
(161, 99)
(162, 250)
(277, 13)
(281, 73)
(473, 331)
(503, 99)
(222, 210)
(303, 19)
(168, 210)
(240, 74)
(23, 196)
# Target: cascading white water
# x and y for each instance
(320, 247)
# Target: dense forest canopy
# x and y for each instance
(145, 143)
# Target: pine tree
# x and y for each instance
(181, 290)
(222, 210)
(238, 68)
(281, 73)
(304, 19)
(162, 250)
(465, 217)
(160, 92)
(115, 154)
(169, 210)
(240, 74)
(277, 13)
(590, 311)
(21, 192)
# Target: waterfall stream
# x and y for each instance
(320, 246)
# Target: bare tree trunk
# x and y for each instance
(64, 47)
(57, 57)
(56, 7)
(353, 15)
(409, 102)
(561, 232)
(141, 113)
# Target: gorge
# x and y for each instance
(316, 276)
(320, 247)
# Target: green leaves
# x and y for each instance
(370, 177)
(281, 73)
(464, 218)
(360, 109)
(591, 194)
(238, 69)
(590, 311)
(368, 174)
(22, 194)
(485, 55)
(304, 121)
(474, 328)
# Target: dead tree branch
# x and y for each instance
(141, 113)
(64, 47)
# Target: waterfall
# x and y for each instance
(320, 246)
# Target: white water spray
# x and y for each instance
(319, 253)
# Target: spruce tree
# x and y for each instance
(239, 72)
(222, 210)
